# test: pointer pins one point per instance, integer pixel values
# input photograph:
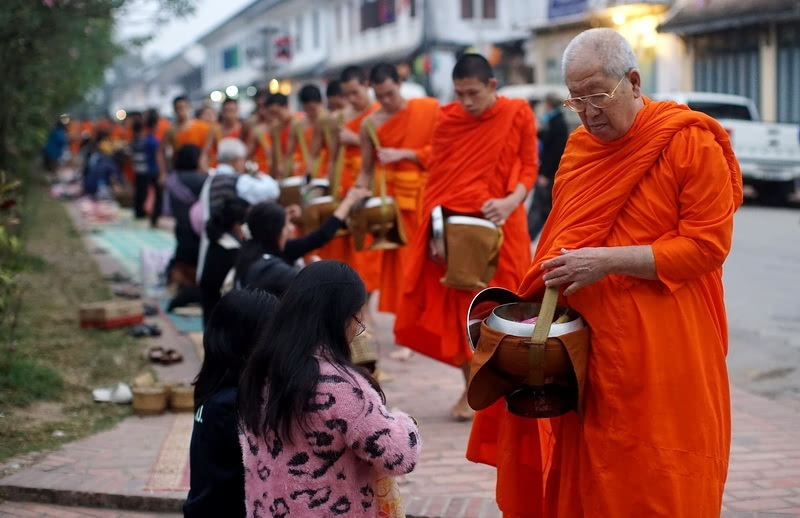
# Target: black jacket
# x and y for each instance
(273, 273)
(554, 140)
(217, 472)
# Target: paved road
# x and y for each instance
(762, 282)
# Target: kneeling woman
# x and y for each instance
(316, 432)
(265, 260)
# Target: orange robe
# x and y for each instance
(74, 136)
(161, 128)
(262, 154)
(473, 159)
(195, 133)
(366, 263)
(221, 133)
(655, 437)
(410, 128)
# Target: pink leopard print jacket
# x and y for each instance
(330, 469)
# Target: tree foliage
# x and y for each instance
(53, 53)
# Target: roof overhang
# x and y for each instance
(718, 15)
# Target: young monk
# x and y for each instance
(335, 97)
(355, 90)
(259, 140)
(404, 128)
(185, 130)
(285, 161)
(483, 161)
(228, 127)
(642, 219)
(310, 128)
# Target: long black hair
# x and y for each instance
(311, 321)
(265, 222)
(232, 331)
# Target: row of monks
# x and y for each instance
(477, 156)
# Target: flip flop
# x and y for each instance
(172, 356)
(145, 330)
(117, 277)
(127, 292)
(155, 354)
(150, 310)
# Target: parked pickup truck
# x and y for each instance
(769, 153)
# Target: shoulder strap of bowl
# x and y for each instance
(541, 330)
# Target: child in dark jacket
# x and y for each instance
(217, 473)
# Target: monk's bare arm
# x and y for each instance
(367, 159)
(577, 269)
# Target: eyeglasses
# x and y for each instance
(599, 101)
(361, 326)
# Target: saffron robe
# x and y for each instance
(410, 128)
(366, 263)
(655, 437)
(473, 159)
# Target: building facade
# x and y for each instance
(743, 47)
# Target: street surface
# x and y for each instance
(762, 283)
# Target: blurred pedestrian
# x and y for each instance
(144, 152)
(183, 187)
(185, 130)
(317, 435)
(56, 145)
(102, 170)
(553, 136)
(224, 200)
(217, 472)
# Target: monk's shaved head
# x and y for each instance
(606, 46)
(473, 66)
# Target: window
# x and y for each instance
(230, 58)
(467, 9)
(316, 29)
(412, 5)
(298, 37)
(375, 13)
(490, 9)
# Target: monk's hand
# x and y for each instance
(348, 137)
(390, 155)
(497, 210)
(294, 211)
(576, 269)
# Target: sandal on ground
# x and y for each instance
(145, 330)
(172, 356)
(150, 310)
(127, 292)
(117, 277)
(155, 354)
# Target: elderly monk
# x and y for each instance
(642, 219)
(184, 131)
(483, 161)
(355, 90)
(404, 128)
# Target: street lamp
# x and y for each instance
(216, 96)
(121, 114)
(232, 91)
(252, 91)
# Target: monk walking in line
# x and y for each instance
(483, 161)
(184, 131)
(642, 219)
(355, 91)
(404, 128)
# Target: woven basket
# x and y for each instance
(150, 400)
(363, 352)
(181, 398)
